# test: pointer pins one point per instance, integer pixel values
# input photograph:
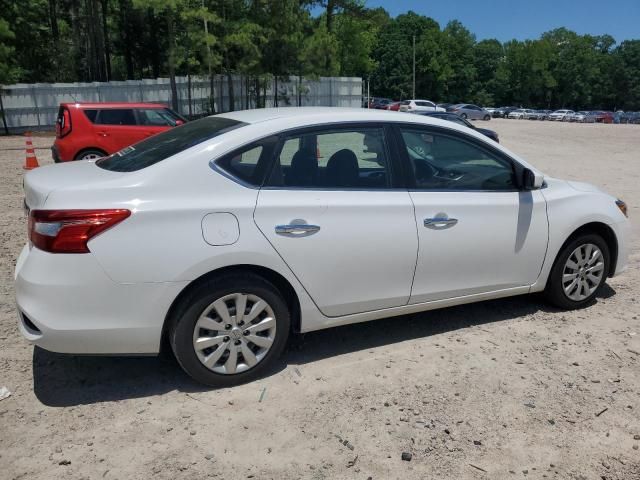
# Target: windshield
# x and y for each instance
(166, 144)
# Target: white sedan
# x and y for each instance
(419, 106)
(224, 235)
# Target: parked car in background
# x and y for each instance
(394, 106)
(215, 237)
(590, 117)
(490, 110)
(420, 106)
(381, 103)
(86, 131)
(539, 115)
(502, 112)
(559, 115)
(452, 117)
(603, 117)
(579, 117)
(522, 114)
(630, 117)
(470, 111)
(445, 105)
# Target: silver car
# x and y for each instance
(472, 112)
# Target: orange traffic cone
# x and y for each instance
(31, 161)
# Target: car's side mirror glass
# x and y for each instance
(179, 122)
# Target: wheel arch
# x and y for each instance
(87, 149)
(279, 281)
(604, 231)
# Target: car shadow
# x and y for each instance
(68, 380)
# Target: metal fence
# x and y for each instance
(35, 106)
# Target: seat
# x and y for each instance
(342, 169)
(304, 170)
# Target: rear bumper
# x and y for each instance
(55, 155)
(67, 304)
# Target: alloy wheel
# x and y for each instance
(234, 333)
(583, 272)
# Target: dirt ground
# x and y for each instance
(501, 389)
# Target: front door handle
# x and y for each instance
(297, 229)
(440, 223)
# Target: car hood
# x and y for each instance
(584, 187)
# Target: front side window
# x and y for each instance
(166, 144)
(156, 117)
(445, 162)
(342, 159)
(116, 116)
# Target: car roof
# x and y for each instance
(113, 105)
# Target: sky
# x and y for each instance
(527, 19)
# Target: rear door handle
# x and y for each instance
(440, 222)
(297, 229)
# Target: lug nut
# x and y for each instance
(226, 339)
(227, 326)
(237, 342)
(245, 333)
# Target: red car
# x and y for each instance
(603, 117)
(92, 130)
(395, 106)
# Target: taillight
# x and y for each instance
(63, 123)
(68, 231)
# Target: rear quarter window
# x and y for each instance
(166, 144)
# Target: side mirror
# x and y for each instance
(179, 122)
(531, 180)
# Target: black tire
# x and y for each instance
(464, 115)
(554, 290)
(487, 118)
(187, 313)
(90, 154)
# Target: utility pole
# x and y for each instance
(368, 93)
(206, 37)
(414, 67)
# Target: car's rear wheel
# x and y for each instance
(230, 329)
(463, 115)
(487, 117)
(90, 155)
(579, 272)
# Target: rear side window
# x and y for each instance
(333, 159)
(91, 115)
(166, 144)
(116, 116)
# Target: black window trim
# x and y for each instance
(408, 169)
(395, 169)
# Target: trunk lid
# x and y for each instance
(40, 182)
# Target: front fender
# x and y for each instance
(569, 209)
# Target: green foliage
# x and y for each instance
(97, 40)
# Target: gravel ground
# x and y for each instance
(501, 389)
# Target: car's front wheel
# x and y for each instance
(230, 329)
(487, 118)
(579, 272)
